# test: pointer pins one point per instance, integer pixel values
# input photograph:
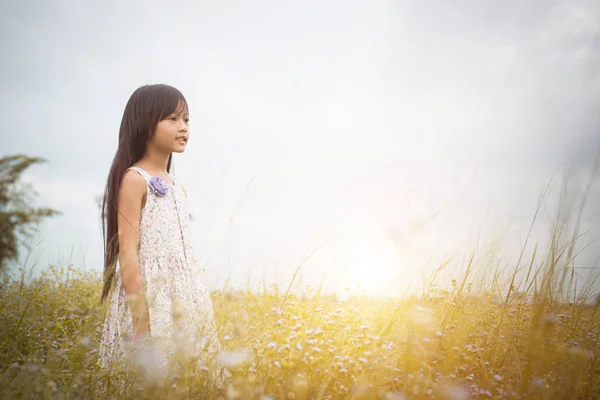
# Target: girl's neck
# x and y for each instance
(154, 162)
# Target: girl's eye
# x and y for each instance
(173, 118)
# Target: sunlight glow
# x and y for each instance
(372, 264)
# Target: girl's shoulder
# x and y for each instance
(133, 181)
(133, 190)
(134, 170)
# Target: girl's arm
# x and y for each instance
(131, 198)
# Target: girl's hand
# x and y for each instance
(141, 319)
(143, 329)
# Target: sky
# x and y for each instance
(379, 138)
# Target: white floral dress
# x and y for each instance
(179, 303)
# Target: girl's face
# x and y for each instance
(172, 133)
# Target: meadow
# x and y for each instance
(448, 345)
(529, 334)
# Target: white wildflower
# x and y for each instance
(233, 358)
(148, 358)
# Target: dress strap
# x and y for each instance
(143, 173)
(147, 175)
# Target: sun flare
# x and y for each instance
(372, 264)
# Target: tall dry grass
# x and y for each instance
(533, 335)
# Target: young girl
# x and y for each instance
(155, 291)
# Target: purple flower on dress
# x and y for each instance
(158, 185)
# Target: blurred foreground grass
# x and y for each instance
(449, 344)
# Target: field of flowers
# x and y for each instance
(449, 344)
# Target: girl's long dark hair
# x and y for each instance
(146, 107)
